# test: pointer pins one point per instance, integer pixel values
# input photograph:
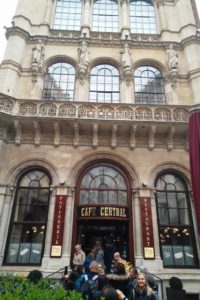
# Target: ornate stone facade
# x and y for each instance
(64, 138)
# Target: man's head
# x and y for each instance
(77, 248)
(94, 266)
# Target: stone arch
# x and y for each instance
(58, 58)
(105, 60)
(150, 62)
(170, 166)
(17, 168)
(111, 157)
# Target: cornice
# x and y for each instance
(100, 39)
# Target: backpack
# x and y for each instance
(89, 288)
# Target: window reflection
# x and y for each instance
(174, 216)
(149, 86)
(103, 185)
(68, 15)
(105, 16)
(104, 84)
(59, 82)
(142, 17)
(28, 226)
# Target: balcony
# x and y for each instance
(93, 124)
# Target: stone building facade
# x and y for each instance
(94, 103)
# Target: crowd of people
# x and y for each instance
(118, 280)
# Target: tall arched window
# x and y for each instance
(176, 234)
(103, 185)
(68, 15)
(105, 16)
(142, 17)
(104, 84)
(149, 86)
(29, 219)
(59, 82)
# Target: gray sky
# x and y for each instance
(7, 10)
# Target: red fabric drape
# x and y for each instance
(194, 154)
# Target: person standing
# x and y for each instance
(79, 257)
(142, 291)
(99, 257)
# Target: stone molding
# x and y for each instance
(92, 111)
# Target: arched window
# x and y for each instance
(29, 219)
(104, 84)
(175, 221)
(142, 17)
(149, 86)
(59, 82)
(105, 16)
(103, 185)
(68, 15)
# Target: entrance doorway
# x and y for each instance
(113, 236)
(115, 232)
(103, 209)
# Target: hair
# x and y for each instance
(120, 268)
(97, 245)
(147, 287)
(93, 264)
(109, 293)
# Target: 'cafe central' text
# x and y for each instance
(103, 211)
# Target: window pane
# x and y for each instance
(68, 15)
(54, 87)
(148, 90)
(104, 185)
(104, 80)
(105, 16)
(28, 225)
(142, 17)
(175, 229)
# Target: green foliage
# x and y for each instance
(175, 283)
(19, 288)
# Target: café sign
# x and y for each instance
(103, 212)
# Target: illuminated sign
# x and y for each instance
(103, 212)
(58, 226)
(147, 227)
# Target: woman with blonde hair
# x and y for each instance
(142, 291)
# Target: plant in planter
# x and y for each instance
(175, 291)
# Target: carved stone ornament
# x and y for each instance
(172, 65)
(83, 61)
(37, 63)
(126, 64)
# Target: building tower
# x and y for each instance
(95, 98)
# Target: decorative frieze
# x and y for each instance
(59, 109)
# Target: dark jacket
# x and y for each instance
(136, 295)
(119, 281)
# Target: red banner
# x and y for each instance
(147, 228)
(58, 226)
(194, 154)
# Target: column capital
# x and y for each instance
(123, 2)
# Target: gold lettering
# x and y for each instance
(102, 213)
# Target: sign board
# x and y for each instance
(58, 226)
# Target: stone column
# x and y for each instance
(162, 15)
(48, 12)
(137, 230)
(85, 28)
(6, 200)
(47, 248)
(125, 30)
(192, 58)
